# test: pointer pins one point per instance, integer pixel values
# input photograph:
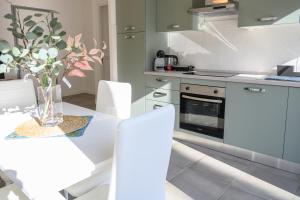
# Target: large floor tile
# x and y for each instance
(207, 179)
(282, 179)
(260, 188)
(182, 156)
(234, 193)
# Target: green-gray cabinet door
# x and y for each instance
(172, 15)
(255, 117)
(131, 65)
(267, 12)
(292, 134)
(130, 15)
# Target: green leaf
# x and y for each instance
(29, 17)
(53, 22)
(16, 52)
(37, 69)
(30, 23)
(6, 58)
(14, 24)
(61, 45)
(4, 45)
(8, 16)
(45, 80)
(53, 53)
(18, 35)
(3, 68)
(9, 29)
(57, 27)
(43, 54)
(54, 37)
(31, 36)
(38, 14)
(38, 30)
(63, 33)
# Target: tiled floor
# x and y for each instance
(205, 174)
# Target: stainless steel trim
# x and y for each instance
(202, 99)
(267, 19)
(129, 37)
(161, 80)
(255, 90)
(202, 90)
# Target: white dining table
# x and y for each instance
(44, 166)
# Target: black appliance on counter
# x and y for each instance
(202, 109)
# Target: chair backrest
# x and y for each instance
(17, 94)
(141, 157)
(114, 98)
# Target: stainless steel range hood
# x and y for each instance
(216, 11)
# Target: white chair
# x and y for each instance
(16, 95)
(114, 98)
(141, 158)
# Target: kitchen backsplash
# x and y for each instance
(222, 45)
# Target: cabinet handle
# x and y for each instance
(156, 106)
(129, 28)
(159, 94)
(128, 37)
(255, 90)
(175, 26)
(268, 19)
(161, 80)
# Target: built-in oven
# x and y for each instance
(202, 109)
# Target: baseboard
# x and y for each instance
(238, 152)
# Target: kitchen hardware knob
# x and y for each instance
(161, 80)
(255, 90)
(128, 37)
(187, 88)
(175, 26)
(156, 106)
(267, 19)
(129, 28)
(159, 94)
(216, 91)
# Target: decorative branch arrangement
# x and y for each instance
(43, 52)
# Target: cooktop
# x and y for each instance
(214, 74)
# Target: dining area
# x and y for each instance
(112, 156)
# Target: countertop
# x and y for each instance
(240, 78)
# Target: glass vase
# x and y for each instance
(50, 106)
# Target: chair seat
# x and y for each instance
(12, 191)
(101, 193)
(102, 176)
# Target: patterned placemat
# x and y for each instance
(72, 126)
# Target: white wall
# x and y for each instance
(224, 46)
(76, 17)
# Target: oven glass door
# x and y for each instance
(202, 114)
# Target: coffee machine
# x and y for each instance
(164, 62)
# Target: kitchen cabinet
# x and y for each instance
(130, 15)
(163, 82)
(163, 95)
(292, 135)
(172, 15)
(268, 12)
(255, 117)
(131, 65)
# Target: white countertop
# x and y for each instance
(240, 78)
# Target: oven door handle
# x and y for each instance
(202, 99)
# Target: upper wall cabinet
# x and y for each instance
(268, 12)
(130, 15)
(172, 15)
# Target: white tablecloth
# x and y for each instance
(44, 166)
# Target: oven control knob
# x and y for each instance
(215, 91)
(187, 88)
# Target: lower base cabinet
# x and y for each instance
(255, 117)
(292, 134)
(152, 105)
